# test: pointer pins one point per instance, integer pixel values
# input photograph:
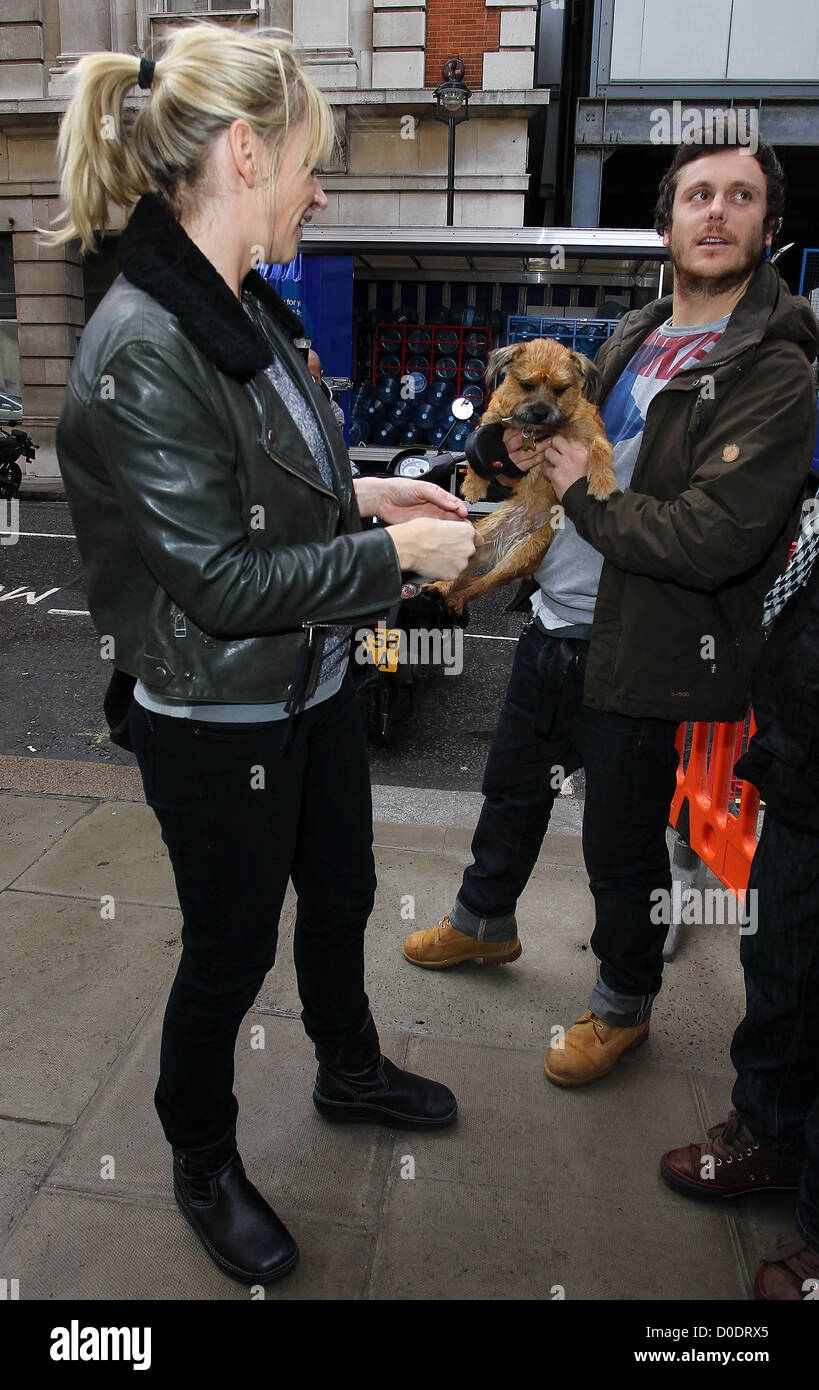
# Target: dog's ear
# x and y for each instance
(590, 376)
(501, 358)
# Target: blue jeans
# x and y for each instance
(544, 733)
(234, 840)
(776, 1047)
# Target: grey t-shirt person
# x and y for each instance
(569, 573)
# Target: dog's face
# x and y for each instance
(544, 386)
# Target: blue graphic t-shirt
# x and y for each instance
(569, 573)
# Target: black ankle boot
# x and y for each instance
(355, 1082)
(240, 1232)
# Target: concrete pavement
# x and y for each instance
(535, 1193)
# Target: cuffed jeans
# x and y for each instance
(239, 819)
(776, 1047)
(544, 733)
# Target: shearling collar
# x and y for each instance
(157, 255)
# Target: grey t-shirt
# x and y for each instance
(569, 573)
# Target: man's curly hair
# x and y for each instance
(765, 157)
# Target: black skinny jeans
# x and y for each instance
(233, 847)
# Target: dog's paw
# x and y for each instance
(442, 592)
(474, 488)
(602, 482)
(602, 487)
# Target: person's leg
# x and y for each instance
(631, 769)
(334, 877)
(770, 1141)
(776, 1047)
(334, 873)
(226, 802)
(529, 759)
(230, 841)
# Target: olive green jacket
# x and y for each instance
(694, 543)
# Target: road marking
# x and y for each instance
(71, 612)
(48, 535)
(487, 637)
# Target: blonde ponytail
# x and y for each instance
(98, 163)
(207, 77)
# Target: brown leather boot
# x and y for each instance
(730, 1163)
(590, 1049)
(790, 1274)
(443, 945)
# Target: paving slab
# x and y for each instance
(77, 1246)
(30, 825)
(28, 1152)
(450, 1240)
(517, 1130)
(74, 988)
(305, 1166)
(116, 849)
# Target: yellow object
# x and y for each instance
(383, 648)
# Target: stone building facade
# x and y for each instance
(378, 61)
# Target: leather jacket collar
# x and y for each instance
(157, 256)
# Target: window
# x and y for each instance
(204, 6)
(11, 386)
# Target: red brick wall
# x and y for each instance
(460, 29)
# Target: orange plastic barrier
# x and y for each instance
(704, 812)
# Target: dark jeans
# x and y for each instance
(776, 1047)
(233, 845)
(544, 733)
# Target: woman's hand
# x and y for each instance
(406, 499)
(434, 549)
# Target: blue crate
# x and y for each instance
(584, 335)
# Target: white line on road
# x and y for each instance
(71, 612)
(488, 637)
(47, 535)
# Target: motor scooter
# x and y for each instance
(386, 663)
(14, 444)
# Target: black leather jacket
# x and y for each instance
(211, 544)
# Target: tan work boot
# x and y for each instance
(590, 1049)
(443, 945)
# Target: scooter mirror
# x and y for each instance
(462, 408)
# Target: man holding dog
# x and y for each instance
(647, 608)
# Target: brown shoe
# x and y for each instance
(729, 1164)
(790, 1274)
(590, 1049)
(444, 945)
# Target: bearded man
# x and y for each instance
(647, 608)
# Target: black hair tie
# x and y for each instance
(146, 73)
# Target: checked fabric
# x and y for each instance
(798, 569)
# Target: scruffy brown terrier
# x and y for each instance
(548, 389)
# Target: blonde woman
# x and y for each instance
(221, 537)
